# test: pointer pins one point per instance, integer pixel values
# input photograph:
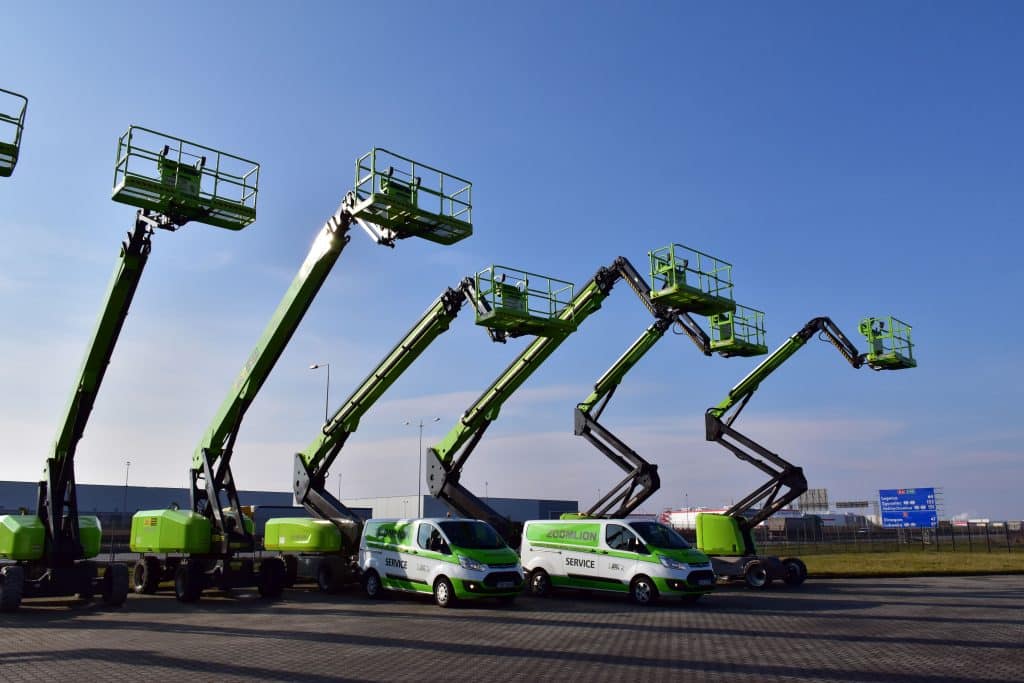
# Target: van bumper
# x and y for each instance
(492, 585)
(697, 582)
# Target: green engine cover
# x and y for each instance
(719, 534)
(301, 534)
(170, 531)
(90, 533)
(23, 537)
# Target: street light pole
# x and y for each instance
(327, 393)
(419, 466)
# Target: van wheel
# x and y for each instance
(444, 593)
(642, 591)
(796, 571)
(372, 585)
(540, 583)
(756, 575)
(146, 575)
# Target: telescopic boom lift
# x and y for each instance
(12, 123)
(727, 537)
(446, 459)
(509, 303)
(172, 186)
(394, 198)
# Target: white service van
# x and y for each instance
(643, 558)
(451, 558)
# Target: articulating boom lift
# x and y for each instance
(326, 547)
(10, 142)
(447, 458)
(390, 204)
(727, 537)
(53, 547)
(642, 479)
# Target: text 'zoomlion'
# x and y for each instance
(572, 534)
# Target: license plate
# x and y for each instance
(505, 584)
(704, 582)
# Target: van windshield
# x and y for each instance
(468, 533)
(659, 535)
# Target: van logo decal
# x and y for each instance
(572, 534)
(578, 562)
(392, 562)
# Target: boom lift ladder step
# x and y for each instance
(12, 123)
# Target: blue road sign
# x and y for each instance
(908, 508)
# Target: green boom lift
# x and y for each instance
(394, 198)
(508, 303)
(684, 278)
(51, 550)
(12, 123)
(726, 537)
(642, 480)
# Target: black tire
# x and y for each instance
(643, 591)
(291, 570)
(796, 571)
(756, 575)
(540, 583)
(12, 585)
(372, 585)
(330, 575)
(146, 575)
(115, 585)
(188, 582)
(272, 576)
(444, 592)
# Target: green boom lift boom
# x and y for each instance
(12, 123)
(52, 549)
(509, 303)
(394, 198)
(681, 281)
(642, 479)
(727, 537)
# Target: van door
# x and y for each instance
(619, 565)
(422, 558)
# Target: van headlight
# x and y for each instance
(672, 563)
(471, 564)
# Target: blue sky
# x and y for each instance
(848, 160)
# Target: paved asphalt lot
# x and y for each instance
(946, 629)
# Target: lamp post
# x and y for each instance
(124, 505)
(327, 393)
(419, 464)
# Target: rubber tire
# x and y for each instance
(796, 571)
(188, 582)
(146, 575)
(115, 585)
(291, 570)
(755, 575)
(12, 585)
(325, 576)
(642, 591)
(444, 592)
(272, 577)
(372, 586)
(540, 583)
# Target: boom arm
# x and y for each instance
(446, 459)
(786, 481)
(313, 464)
(211, 463)
(57, 502)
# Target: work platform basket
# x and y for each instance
(412, 199)
(12, 123)
(185, 181)
(739, 332)
(691, 280)
(889, 343)
(520, 303)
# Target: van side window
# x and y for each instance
(429, 538)
(620, 538)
